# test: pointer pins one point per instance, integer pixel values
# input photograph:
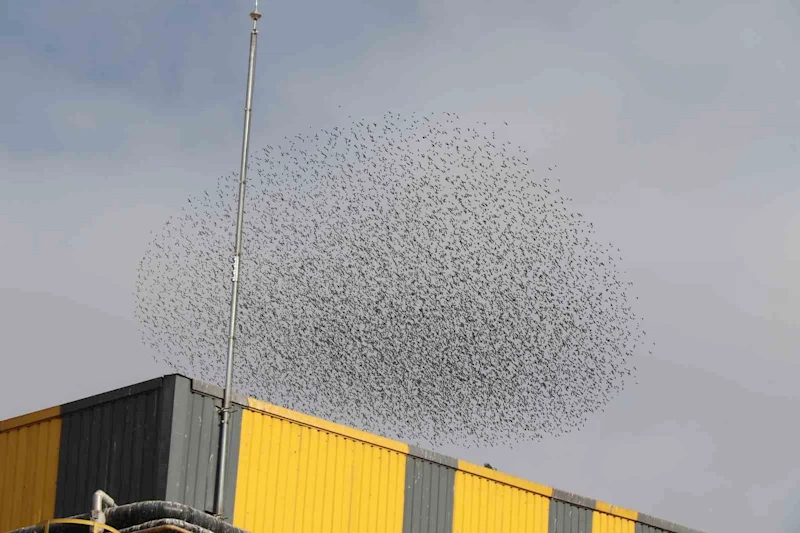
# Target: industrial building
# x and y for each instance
(287, 472)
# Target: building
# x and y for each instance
(288, 472)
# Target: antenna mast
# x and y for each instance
(225, 412)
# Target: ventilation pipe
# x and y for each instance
(99, 499)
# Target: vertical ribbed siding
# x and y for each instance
(568, 518)
(644, 528)
(487, 506)
(28, 469)
(296, 478)
(112, 442)
(609, 518)
(428, 500)
(651, 524)
(605, 523)
(193, 450)
(158, 439)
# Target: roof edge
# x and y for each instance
(113, 395)
(215, 391)
(665, 524)
(30, 418)
(326, 425)
(201, 387)
(508, 479)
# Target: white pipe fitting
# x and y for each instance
(98, 499)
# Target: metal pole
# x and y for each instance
(226, 399)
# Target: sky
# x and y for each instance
(675, 127)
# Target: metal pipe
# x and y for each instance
(98, 499)
(226, 400)
(166, 527)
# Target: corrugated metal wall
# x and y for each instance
(153, 440)
(605, 523)
(644, 528)
(298, 473)
(651, 524)
(428, 500)
(288, 472)
(486, 505)
(295, 477)
(28, 468)
(612, 519)
(568, 518)
(193, 448)
(114, 442)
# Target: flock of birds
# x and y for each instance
(407, 276)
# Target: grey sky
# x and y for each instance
(675, 127)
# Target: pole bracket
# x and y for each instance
(235, 276)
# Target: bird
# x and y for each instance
(402, 274)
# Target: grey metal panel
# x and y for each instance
(433, 457)
(110, 442)
(574, 499)
(165, 434)
(117, 394)
(645, 523)
(568, 518)
(660, 525)
(233, 462)
(179, 436)
(194, 440)
(428, 501)
(674, 528)
(644, 528)
(216, 392)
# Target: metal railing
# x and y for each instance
(96, 526)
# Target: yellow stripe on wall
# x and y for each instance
(30, 418)
(29, 448)
(332, 427)
(622, 512)
(296, 477)
(487, 501)
(606, 523)
(507, 479)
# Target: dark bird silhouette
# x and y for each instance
(407, 276)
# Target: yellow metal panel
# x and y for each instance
(486, 505)
(479, 500)
(28, 468)
(18, 452)
(604, 507)
(518, 518)
(331, 427)
(317, 490)
(356, 520)
(303, 480)
(295, 476)
(374, 474)
(30, 418)
(284, 449)
(606, 523)
(541, 516)
(491, 517)
(505, 479)
(3, 473)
